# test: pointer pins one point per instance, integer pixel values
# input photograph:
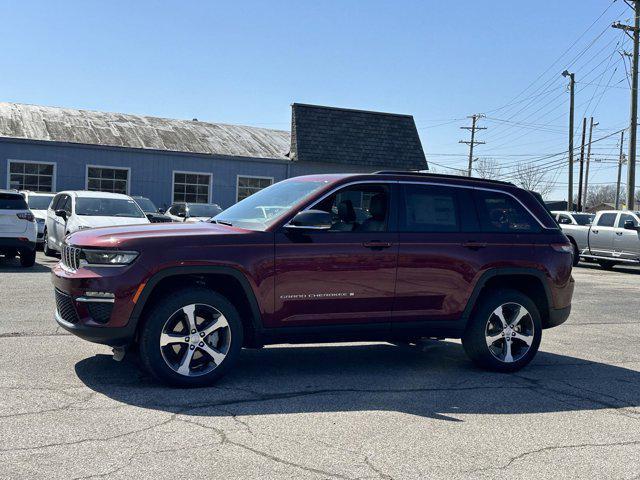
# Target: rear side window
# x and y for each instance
(429, 209)
(12, 201)
(499, 212)
(607, 219)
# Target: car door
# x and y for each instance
(626, 243)
(60, 224)
(437, 262)
(601, 235)
(344, 275)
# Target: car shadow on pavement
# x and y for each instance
(436, 382)
(13, 266)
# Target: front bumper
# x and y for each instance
(99, 321)
(557, 316)
(112, 336)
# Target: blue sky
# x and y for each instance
(245, 62)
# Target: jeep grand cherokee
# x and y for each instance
(389, 256)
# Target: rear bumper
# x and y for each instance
(17, 243)
(557, 316)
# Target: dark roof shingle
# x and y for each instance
(356, 137)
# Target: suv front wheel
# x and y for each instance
(191, 338)
(504, 333)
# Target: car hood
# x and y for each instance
(95, 221)
(126, 237)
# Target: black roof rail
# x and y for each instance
(440, 175)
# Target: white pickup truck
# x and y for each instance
(612, 238)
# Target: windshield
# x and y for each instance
(145, 204)
(39, 202)
(203, 210)
(108, 207)
(583, 218)
(263, 208)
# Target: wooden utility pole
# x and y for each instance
(572, 81)
(620, 162)
(473, 142)
(584, 132)
(586, 173)
(633, 121)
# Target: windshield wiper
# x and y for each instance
(222, 222)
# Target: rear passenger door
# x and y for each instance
(601, 235)
(626, 243)
(436, 262)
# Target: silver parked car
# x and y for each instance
(575, 226)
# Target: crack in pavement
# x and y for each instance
(550, 448)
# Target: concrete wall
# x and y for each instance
(151, 172)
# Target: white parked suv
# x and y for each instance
(38, 204)
(71, 211)
(17, 228)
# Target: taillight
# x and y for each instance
(28, 216)
(562, 247)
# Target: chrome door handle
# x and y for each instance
(376, 245)
(594, 231)
(618, 233)
(474, 245)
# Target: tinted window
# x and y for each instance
(108, 207)
(499, 212)
(12, 201)
(429, 209)
(66, 206)
(145, 204)
(362, 208)
(39, 202)
(624, 217)
(607, 220)
(204, 210)
(583, 218)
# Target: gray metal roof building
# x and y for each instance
(52, 148)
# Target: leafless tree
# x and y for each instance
(487, 168)
(532, 177)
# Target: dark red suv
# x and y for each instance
(389, 256)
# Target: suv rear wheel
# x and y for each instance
(504, 333)
(191, 338)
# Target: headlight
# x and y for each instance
(108, 257)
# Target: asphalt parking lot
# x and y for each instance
(355, 411)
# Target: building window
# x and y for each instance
(191, 187)
(247, 186)
(108, 179)
(35, 176)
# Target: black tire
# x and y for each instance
(606, 264)
(576, 254)
(151, 354)
(48, 252)
(474, 340)
(27, 257)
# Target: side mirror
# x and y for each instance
(62, 214)
(311, 220)
(630, 225)
(161, 211)
(181, 215)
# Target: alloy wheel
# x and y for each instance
(195, 340)
(509, 332)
